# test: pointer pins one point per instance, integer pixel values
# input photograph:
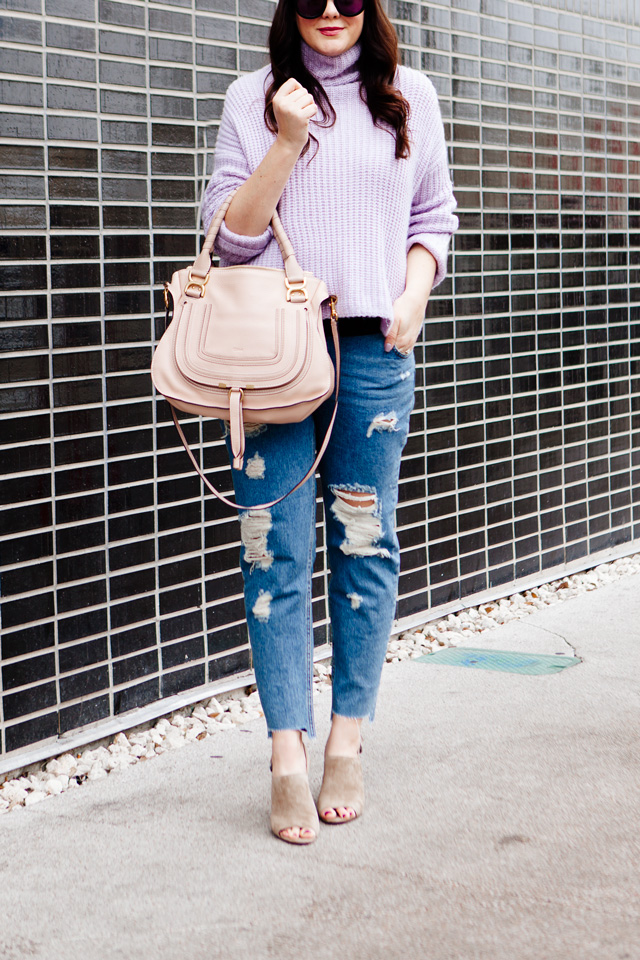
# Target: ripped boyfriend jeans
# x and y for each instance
(359, 473)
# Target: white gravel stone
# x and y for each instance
(227, 723)
(97, 772)
(13, 793)
(251, 715)
(214, 707)
(174, 742)
(118, 763)
(55, 786)
(35, 796)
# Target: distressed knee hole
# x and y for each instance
(254, 528)
(356, 600)
(358, 512)
(383, 423)
(255, 467)
(262, 607)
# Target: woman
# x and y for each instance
(350, 148)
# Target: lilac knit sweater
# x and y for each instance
(353, 211)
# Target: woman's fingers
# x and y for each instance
(297, 98)
(288, 86)
(291, 91)
(296, 105)
(306, 107)
(390, 338)
(304, 102)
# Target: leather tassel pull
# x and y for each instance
(236, 427)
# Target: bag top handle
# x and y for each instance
(202, 264)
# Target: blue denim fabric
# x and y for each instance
(278, 545)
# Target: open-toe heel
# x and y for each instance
(342, 786)
(292, 806)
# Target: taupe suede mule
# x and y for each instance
(292, 806)
(342, 786)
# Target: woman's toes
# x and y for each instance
(291, 832)
(297, 833)
(339, 813)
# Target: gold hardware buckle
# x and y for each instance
(197, 284)
(332, 303)
(296, 287)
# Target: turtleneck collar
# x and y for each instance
(332, 71)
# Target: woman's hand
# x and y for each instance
(408, 316)
(293, 107)
(409, 309)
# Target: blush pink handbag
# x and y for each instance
(246, 344)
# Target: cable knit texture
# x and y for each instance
(351, 210)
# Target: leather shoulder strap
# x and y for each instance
(312, 469)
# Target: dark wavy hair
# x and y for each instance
(377, 64)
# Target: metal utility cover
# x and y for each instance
(505, 660)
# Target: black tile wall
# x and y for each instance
(524, 450)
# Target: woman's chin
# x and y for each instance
(331, 46)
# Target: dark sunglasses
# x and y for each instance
(312, 9)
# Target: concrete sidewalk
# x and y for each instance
(501, 824)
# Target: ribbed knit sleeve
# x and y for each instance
(432, 220)
(230, 169)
